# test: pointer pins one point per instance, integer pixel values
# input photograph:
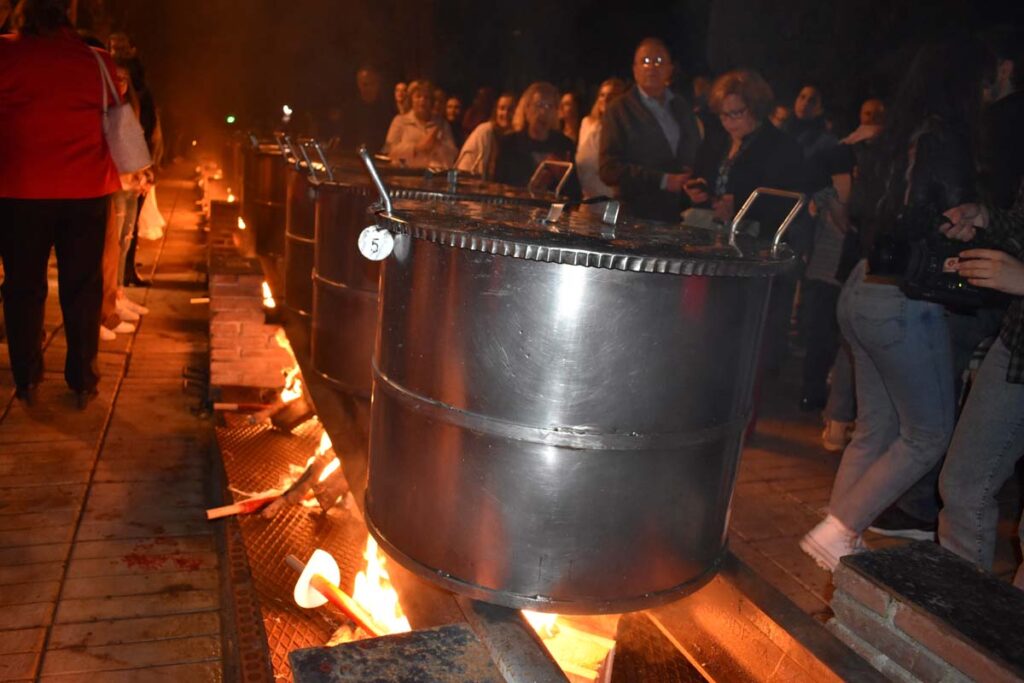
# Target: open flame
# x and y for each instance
(241, 223)
(292, 385)
(231, 195)
(585, 656)
(268, 296)
(374, 593)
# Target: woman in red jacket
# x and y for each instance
(56, 175)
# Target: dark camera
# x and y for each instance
(926, 261)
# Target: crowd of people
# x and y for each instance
(885, 367)
(61, 191)
(939, 163)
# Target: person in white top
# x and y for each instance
(480, 150)
(589, 149)
(418, 139)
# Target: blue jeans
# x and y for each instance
(989, 440)
(902, 359)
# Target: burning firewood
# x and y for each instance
(322, 479)
(318, 584)
(291, 408)
(244, 507)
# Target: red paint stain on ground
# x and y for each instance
(143, 561)
(188, 564)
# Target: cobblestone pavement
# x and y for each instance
(108, 569)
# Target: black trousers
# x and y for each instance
(29, 228)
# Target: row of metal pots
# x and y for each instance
(557, 402)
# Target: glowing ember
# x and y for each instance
(332, 466)
(325, 444)
(268, 296)
(584, 655)
(231, 197)
(241, 223)
(374, 593)
(292, 385)
(543, 623)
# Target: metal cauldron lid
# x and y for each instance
(579, 237)
(408, 184)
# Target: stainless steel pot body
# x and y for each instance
(300, 232)
(344, 289)
(263, 197)
(557, 437)
(345, 284)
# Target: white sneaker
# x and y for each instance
(836, 435)
(125, 313)
(107, 334)
(124, 328)
(125, 302)
(829, 541)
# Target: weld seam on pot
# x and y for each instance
(563, 436)
(341, 285)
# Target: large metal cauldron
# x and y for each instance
(345, 284)
(299, 244)
(558, 408)
(263, 196)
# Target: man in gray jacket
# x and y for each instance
(649, 139)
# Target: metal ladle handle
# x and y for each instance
(310, 169)
(799, 198)
(385, 197)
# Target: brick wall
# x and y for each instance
(919, 613)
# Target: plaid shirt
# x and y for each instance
(1006, 231)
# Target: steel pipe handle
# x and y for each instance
(799, 198)
(322, 156)
(385, 197)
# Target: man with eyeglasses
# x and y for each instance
(649, 139)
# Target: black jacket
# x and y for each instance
(635, 155)
(519, 155)
(771, 159)
(1002, 150)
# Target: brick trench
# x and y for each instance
(107, 565)
(108, 569)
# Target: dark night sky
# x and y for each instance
(208, 58)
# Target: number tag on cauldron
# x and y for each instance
(376, 243)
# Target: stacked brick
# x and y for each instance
(244, 350)
(919, 613)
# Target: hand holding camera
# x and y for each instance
(992, 269)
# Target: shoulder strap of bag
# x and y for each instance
(108, 82)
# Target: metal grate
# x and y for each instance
(257, 458)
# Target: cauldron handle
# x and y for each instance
(287, 149)
(305, 157)
(315, 144)
(799, 198)
(385, 197)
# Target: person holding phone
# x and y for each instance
(418, 138)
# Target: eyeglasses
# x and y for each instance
(734, 115)
(652, 62)
(542, 105)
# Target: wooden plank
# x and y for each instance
(33, 554)
(161, 545)
(50, 571)
(132, 655)
(23, 640)
(39, 536)
(208, 672)
(120, 631)
(25, 593)
(109, 530)
(26, 616)
(168, 584)
(124, 607)
(142, 564)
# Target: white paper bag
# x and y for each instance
(151, 222)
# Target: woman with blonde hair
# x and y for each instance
(418, 138)
(588, 152)
(535, 139)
